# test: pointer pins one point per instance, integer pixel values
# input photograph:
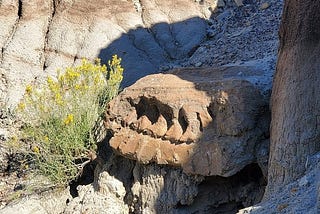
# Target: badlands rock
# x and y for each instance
(207, 121)
(154, 188)
(106, 196)
(290, 197)
(52, 202)
(158, 189)
(37, 37)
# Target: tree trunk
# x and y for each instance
(295, 100)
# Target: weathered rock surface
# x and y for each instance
(154, 188)
(207, 121)
(159, 189)
(37, 37)
(301, 196)
(58, 33)
(47, 203)
(104, 196)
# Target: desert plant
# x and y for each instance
(59, 116)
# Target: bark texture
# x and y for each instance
(295, 101)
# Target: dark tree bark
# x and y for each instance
(295, 100)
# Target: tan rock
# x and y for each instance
(265, 5)
(206, 121)
(174, 132)
(147, 149)
(159, 129)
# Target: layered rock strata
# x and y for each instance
(38, 37)
(206, 121)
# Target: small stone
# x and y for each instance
(239, 3)
(264, 5)
(198, 64)
(221, 3)
(303, 181)
(282, 206)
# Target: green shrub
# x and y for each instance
(59, 116)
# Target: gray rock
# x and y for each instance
(108, 184)
(106, 197)
(301, 196)
(159, 189)
(47, 203)
(38, 37)
(156, 188)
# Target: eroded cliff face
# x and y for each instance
(38, 37)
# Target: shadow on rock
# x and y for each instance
(203, 122)
(151, 50)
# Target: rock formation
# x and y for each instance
(188, 140)
(304, 190)
(295, 126)
(105, 196)
(206, 121)
(37, 37)
(184, 130)
(153, 188)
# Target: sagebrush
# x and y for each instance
(59, 116)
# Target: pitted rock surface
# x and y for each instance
(106, 196)
(207, 121)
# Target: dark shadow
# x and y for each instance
(146, 51)
(104, 152)
(230, 192)
(86, 177)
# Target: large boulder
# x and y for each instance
(206, 121)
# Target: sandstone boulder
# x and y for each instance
(207, 121)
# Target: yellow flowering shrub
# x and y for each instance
(59, 116)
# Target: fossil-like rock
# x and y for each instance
(207, 121)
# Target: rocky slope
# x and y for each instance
(150, 36)
(200, 150)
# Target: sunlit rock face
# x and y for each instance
(38, 37)
(206, 121)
